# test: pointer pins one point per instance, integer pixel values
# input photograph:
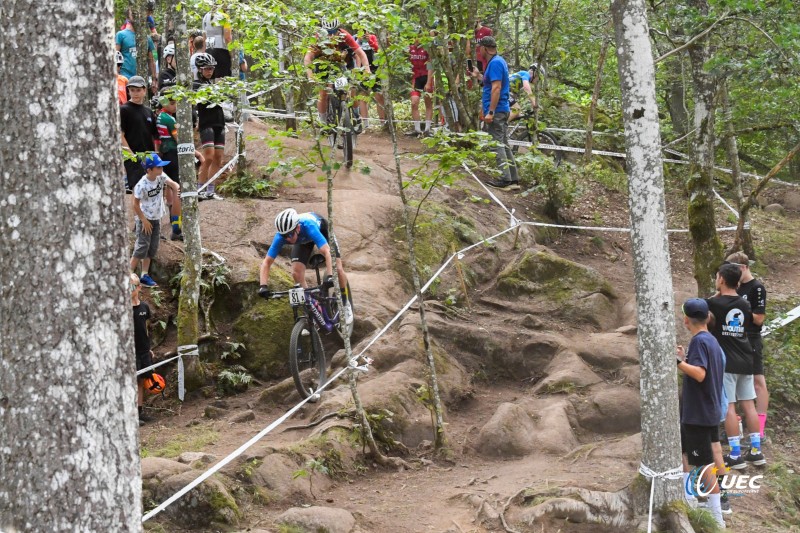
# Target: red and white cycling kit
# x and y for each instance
(419, 67)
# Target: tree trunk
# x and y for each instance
(139, 20)
(68, 429)
(188, 301)
(439, 440)
(744, 240)
(676, 100)
(653, 277)
(598, 80)
(702, 226)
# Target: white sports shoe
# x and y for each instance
(347, 312)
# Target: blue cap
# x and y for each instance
(153, 161)
(696, 308)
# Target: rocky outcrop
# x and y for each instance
(318, 519)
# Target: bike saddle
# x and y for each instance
(316, 260)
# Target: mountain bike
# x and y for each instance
(315, 313)
(344, 120)
(520, 129)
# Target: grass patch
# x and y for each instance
(774, 237)
(784, 490)
(195, 440)
(702, 521)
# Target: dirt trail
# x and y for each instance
(435, 496)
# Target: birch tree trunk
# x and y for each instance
(702, 226)
(656, 331)
(188, 306)
(68, 428)
(139, 19)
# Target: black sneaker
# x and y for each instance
(725, 504)
(412, 133)
(755, 457)
(176, 236)
(504, 185)
(734, 464)
(144, 419)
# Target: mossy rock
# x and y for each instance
(550, 276)
(209, 502)
(264, 329)
(438, 232)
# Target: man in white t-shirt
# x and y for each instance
(148, 204)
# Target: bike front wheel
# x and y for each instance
(306, 358)
(547, 138)
(519, 132)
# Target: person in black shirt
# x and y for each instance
(732, 317)
(168, 76)
(703, 372)
(139, 133)
(141, 341)
(211, 123)
(755, 293)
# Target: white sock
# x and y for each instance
(715, 507)
(417, 126)
(427, 125)
(323, 117)
(365, 121)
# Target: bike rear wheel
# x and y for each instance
(348, 140)
(547, 138)
(306, 358)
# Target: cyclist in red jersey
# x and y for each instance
(421, 80)
(341, 52)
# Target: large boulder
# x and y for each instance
(609, 351)
(571, 290)
(318, 520)
(277, 473)
(515, 430)
(208, 502)
(566, 373)
(264, 329)
(612, 409)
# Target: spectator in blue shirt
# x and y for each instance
(496, 109)
(126, 44)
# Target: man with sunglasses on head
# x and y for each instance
(304, 232)
(341, 52)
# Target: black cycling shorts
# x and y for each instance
(301, 253)
(173, 169)
(419, 83)
(696, 443)
(213, 137)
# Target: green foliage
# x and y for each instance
(556, 184)
(233, 351)
(248, 185)
(602, 174)
(195, 439)
(234, 379)
(782, 357)
(702, 521)
(311, 466)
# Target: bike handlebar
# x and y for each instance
(308, 290)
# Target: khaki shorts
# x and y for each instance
(739, 387)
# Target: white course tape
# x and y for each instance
(228, 165)
(148, 369)
(726, 204)
(791, 316)
(674, 473)
(491, 194)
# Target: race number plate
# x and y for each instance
(297, 296)
(340, 83)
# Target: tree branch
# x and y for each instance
(694, 39)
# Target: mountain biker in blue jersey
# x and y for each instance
(521, 82)
(304, 232)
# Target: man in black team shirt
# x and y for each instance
(141, 340)
(139, 133)
(755, 293)
(732, 317)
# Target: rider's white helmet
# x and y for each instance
(286, 221)
(169, 50)
(329, 24)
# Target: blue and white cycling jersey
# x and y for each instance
(310, 224)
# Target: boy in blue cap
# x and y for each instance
(148, 203)
(701, 409)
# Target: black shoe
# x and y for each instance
(412, 133)
(734, 464)
(144, 419)
(176, 236)
(725, 504)
(755, 457)
(503, 185)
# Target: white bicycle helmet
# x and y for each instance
(118, 57)
(286, 221)
(169, 50)
(205, 60)
(535, 66)
(329, 25)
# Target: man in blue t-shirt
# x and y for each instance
(496, 109)
(304, 232)
(703, 373)
(126, 44)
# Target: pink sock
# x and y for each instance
(762, 423)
